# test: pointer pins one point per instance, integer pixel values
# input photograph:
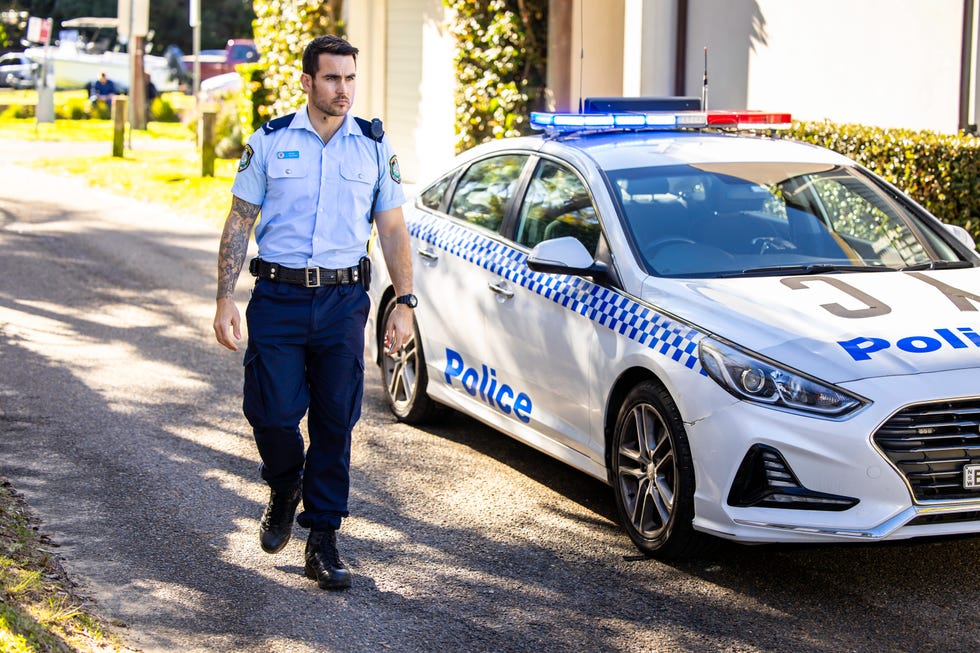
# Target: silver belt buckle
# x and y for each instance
(312, 277)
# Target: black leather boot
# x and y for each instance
(277, 520)
(323, 561)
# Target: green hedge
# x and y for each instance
(940, 171)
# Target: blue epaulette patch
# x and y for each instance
(372, 129)
(278, 123)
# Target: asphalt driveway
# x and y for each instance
(120, 423)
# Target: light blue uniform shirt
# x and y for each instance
(316, 198)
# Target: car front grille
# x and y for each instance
(931, 443)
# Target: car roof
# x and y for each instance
(632, 149)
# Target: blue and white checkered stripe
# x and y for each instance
(607, 307)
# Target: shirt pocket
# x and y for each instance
(357, 187)
(358, 172)
(288, 181)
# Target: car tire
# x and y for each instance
(404, 376)
(653, 474)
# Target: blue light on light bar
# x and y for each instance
(748, 120)
(629, 120)
(572, 121)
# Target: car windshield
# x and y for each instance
(734, 219)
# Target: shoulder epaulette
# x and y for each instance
(373, 129)
(278, 123)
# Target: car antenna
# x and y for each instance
(704, 83)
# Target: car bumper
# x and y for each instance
(835, 458)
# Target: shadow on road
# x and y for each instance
(120, 422)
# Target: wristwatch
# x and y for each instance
(408, 300)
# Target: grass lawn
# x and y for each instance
(69, 131)
(163, 165)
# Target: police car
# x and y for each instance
(747, 337)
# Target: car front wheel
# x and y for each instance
(653, 475)
(404, 376)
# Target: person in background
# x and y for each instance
(103, 89)
(321, 179)
(150, 90)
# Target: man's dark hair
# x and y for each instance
(327, 44)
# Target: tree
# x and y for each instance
(501, 66)
(282, 30)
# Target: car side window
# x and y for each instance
(432, 196)
(484, 190)
(557, 204)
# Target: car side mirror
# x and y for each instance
(566, 255)
(961, 235)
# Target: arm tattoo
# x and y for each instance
(234, 244)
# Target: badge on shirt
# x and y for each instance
(288, 154)
(246, 158)
(396, 174)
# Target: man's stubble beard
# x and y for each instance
(328, 108)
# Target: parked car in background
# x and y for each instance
(17, 71)
(221, 62)
(746, 337)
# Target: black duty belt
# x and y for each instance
(309, 277)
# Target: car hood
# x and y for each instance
(838, 327)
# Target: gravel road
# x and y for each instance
(120, 423)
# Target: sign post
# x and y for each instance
(195, 23)
(39, 31)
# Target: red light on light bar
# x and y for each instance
(748, 119)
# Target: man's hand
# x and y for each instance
(398, 331)
(227, 323)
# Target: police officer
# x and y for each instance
(319, 177)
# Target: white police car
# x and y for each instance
(747, 337)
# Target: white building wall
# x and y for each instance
(366, 30)
(406, 77)
(890, 63)
(649, 43)
(597, 48)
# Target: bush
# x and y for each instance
(228, 139)
(162, 111)
(501, 56)
(17, 111)
(940, 171)
(228, 132)
(282, 31)
(78, 107)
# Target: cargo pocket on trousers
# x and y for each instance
(355, 392)
(252, 404)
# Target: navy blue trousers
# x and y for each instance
(306, 353)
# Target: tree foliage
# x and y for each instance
(501, 66)
(282, 29)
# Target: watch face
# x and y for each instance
(409, 300)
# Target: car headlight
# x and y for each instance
(753, 379)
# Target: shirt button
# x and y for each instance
(288, 171)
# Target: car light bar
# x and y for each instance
(661, 120)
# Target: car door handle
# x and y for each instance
(501, 289)
(427, 254)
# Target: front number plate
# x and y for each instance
(971, 477)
